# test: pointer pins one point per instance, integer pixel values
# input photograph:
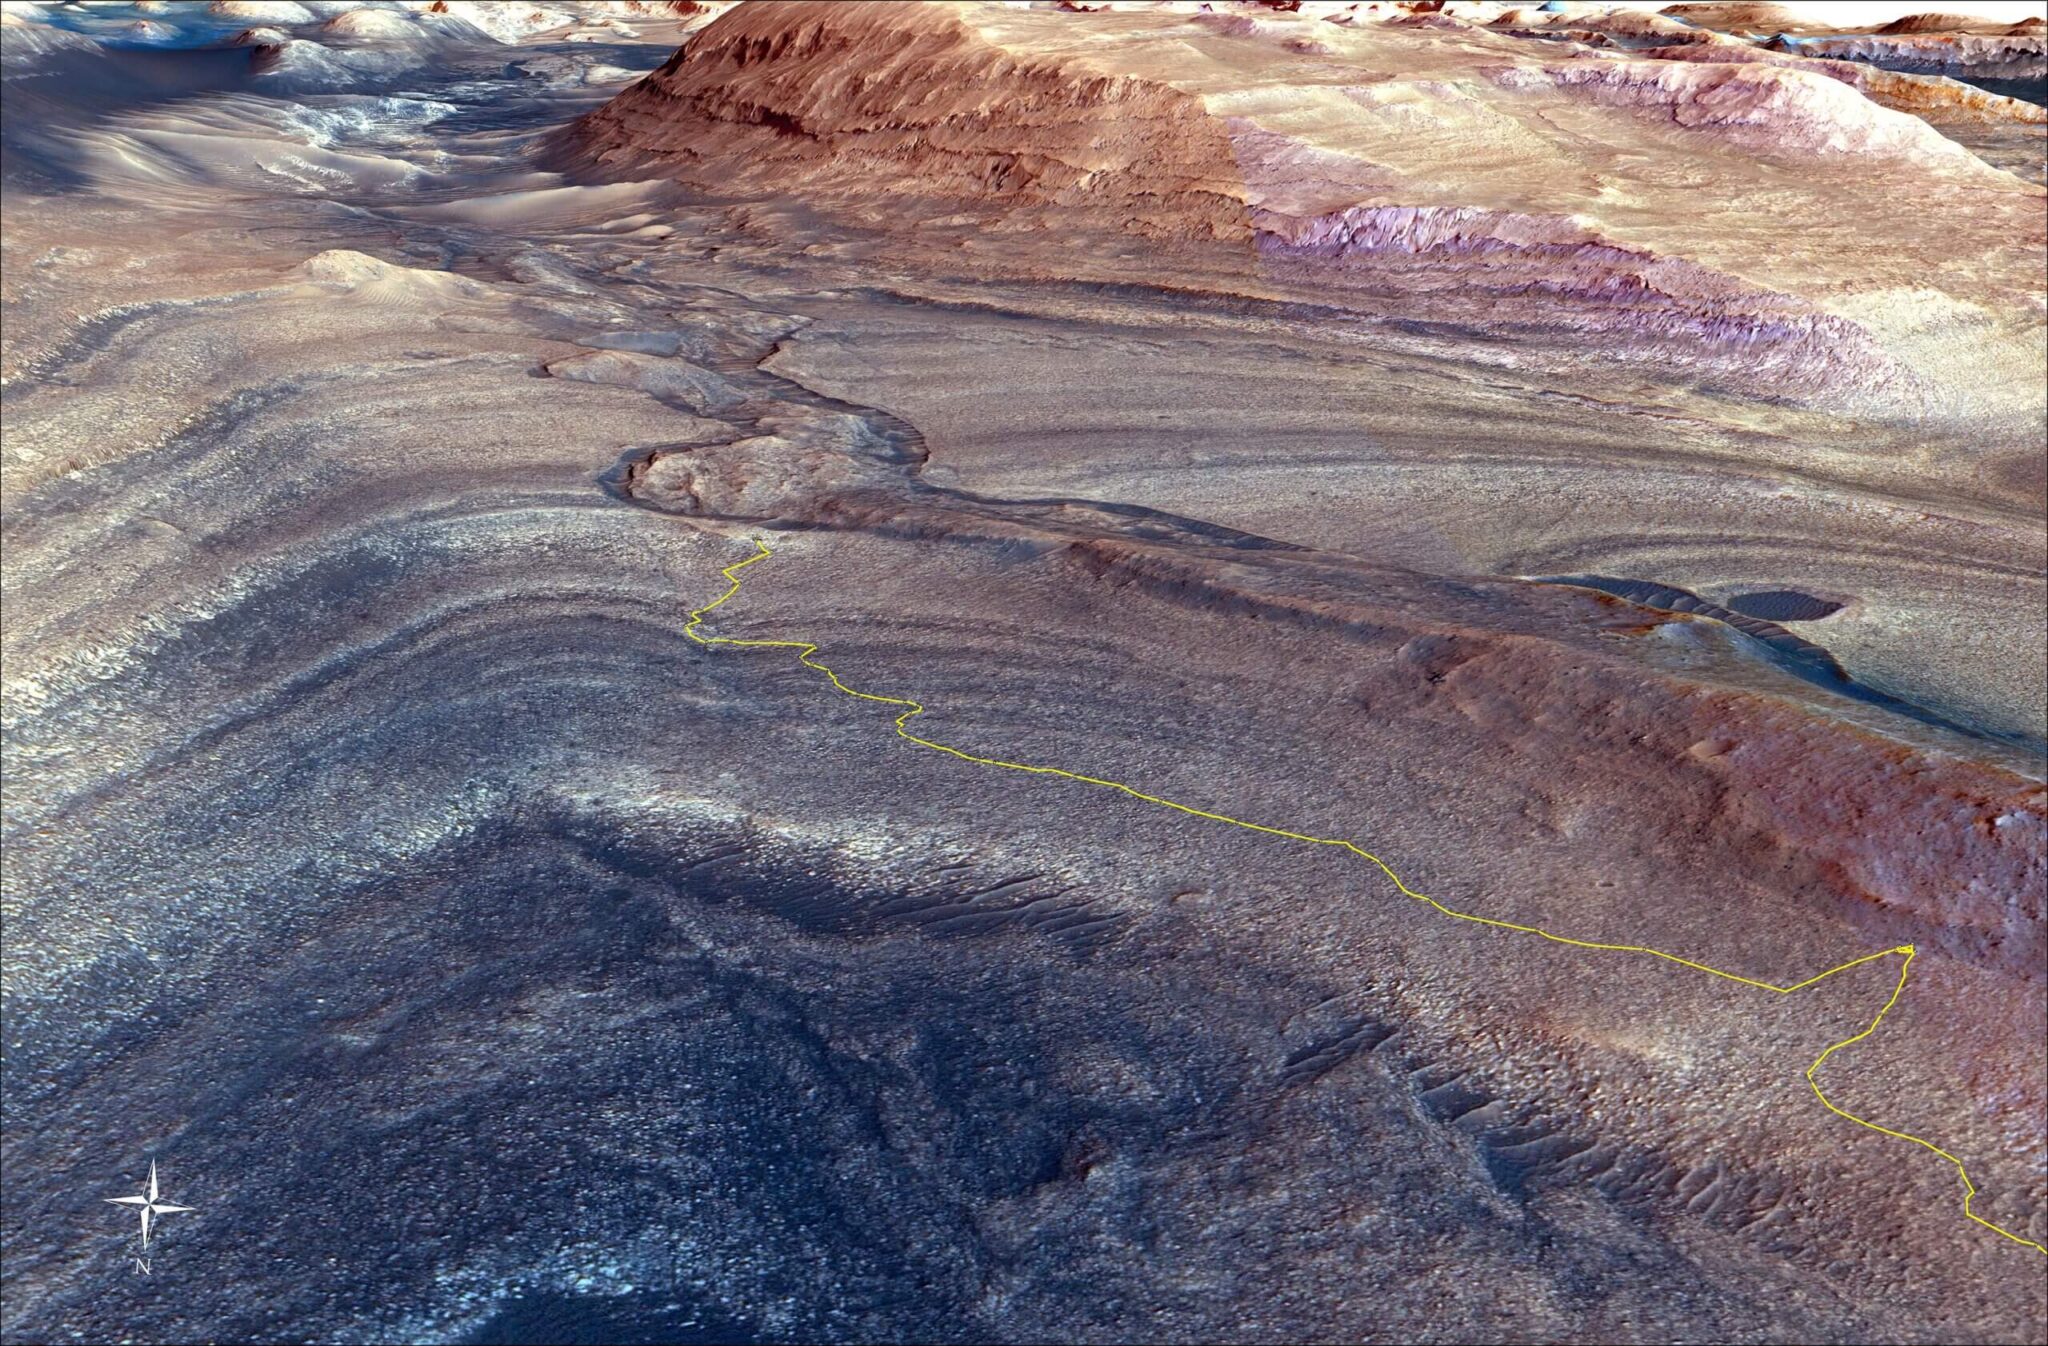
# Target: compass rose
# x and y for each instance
(151, 1203)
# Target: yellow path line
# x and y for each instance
(915, 709)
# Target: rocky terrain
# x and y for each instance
(1593, 461)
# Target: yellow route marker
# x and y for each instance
(914, 709)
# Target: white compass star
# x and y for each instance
(151, 1203)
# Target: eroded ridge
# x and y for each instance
(807, 656)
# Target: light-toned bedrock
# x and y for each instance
(1218, 403)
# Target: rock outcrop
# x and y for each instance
(1033, 144)
(1935, 99)
(2017, 56)
(909, 103)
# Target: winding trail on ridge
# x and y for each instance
(806, 655)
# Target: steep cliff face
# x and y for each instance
(2018, 55)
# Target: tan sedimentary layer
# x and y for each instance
(1928, 96)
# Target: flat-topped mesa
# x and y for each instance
(906, 103)
(1740, 16)
(1736, 15)
(1936, 23)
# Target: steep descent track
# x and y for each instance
(806, 652)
